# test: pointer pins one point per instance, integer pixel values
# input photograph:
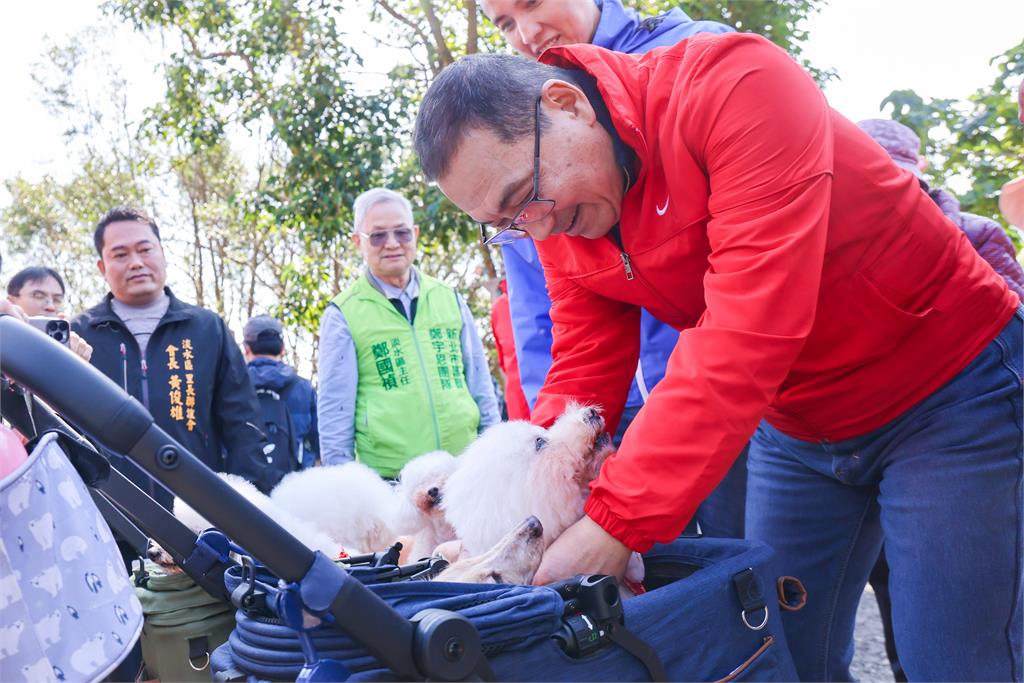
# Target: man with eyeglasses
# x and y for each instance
(38, 290)
(830, 315)
(402, 370)
(530, 28)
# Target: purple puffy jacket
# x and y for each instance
(988, 239)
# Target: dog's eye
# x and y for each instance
(540, 443)
(497, 577)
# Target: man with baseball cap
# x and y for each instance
(278, 382)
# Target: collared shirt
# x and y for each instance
(339, 375)
(405, 295)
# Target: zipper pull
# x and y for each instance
(144, 368)
(124, 368)
(627, 265)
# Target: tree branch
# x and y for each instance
(471, 33)
(444, 55)
(383, 4)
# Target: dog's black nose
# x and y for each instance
(434, 494)
(593, 417)
(534, 527)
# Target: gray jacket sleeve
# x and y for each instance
(478, 374)
(338, 375)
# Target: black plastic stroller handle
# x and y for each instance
(90, 400)
(123, 504)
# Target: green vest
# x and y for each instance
(412, 396)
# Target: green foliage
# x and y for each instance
(780, 21)
(282, 66)
(51, 223)
(262, 141)
(978, 141)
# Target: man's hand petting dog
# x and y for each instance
(583, 548)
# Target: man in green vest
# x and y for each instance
(402, 370)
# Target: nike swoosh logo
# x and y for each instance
(662, 209)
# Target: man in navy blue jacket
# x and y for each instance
(180, 361)
(531, 28)
(263, 345)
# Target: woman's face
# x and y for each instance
(532, 26)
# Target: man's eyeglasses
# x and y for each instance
(42, 298)
(530, 211)
(378, 238)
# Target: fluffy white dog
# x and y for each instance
(350, 502)
(515, 470)
(360, 510)
(514, 559)
(418, 514)
(307, 532)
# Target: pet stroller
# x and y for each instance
(67, 607)
(710, 612)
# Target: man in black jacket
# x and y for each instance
(179, 360)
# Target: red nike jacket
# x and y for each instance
(815, 284)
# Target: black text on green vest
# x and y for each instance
(412, 396)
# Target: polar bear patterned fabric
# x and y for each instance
(67, 609)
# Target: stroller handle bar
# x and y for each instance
(88, 399)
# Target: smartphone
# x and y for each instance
(56, 328)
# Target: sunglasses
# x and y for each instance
(379, 238)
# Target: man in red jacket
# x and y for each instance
(829, 313)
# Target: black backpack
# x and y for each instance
(277, 424)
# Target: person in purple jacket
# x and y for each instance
(531, 27)
(992, 244)
(987, 237)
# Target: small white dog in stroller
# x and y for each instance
(309, 534)
(362, 511)
(471, 508)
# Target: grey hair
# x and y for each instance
(494, 92)
(373, 197)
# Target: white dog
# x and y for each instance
(418, 514)
(360, 510)
(306, 532)
(514, 559)
(515, 470)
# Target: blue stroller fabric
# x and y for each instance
(696, 625)
(67, 608)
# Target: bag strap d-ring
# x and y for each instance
(748, 590)
(198, 648)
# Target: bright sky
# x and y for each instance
(936, 47)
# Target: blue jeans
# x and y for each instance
(943, 484)
(721, 515)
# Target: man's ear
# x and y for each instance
(102, 267)
(357, 240)
(565, 97)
